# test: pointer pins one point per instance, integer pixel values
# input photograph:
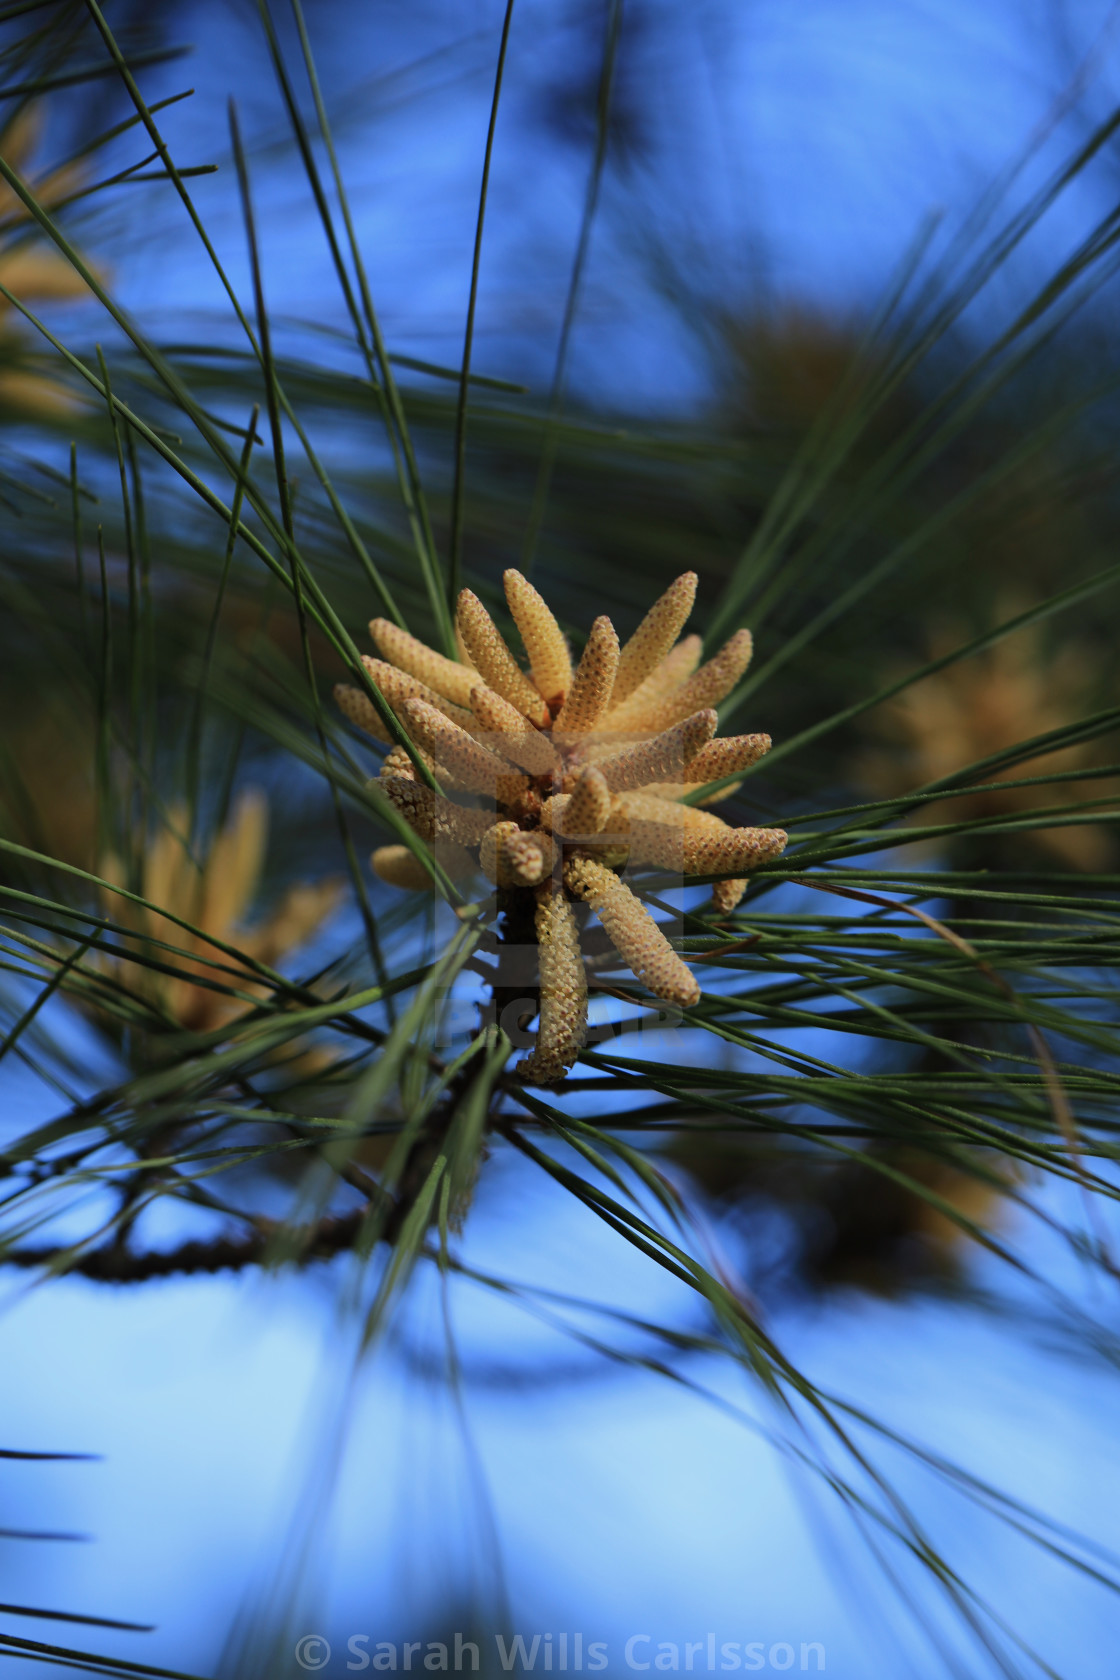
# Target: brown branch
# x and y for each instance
(332, 1235)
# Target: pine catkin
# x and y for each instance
(362, 712)
(552, 812)
(692, 851)
(588, 808)
(512, 857)
(515, 735)
(706, 687)
(531, 856)
(233, 867)
(648, 806)
(399, 688)
(414, 801)
(492, 854)
(673, 671)
(445, 676)
(549, 659)
(728, 895)
(473, 764)
(679, 663)
(632, 930)
(463, 825)
(739, 849)
(461, 649)
(431, 816)
(576, 799)
(660, 844)
(398, 763)
(654, 636)
(590, 693)
(724, 757)
(563, 1020)
(678, 790)
(399, 867)
(661, 758)
(494, 661)
(718, 759)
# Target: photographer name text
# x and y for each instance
(565, 1653)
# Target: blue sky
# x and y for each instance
(790, 151)
(794, 149)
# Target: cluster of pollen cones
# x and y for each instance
(582, 769)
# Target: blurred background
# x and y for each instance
(870, 245)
